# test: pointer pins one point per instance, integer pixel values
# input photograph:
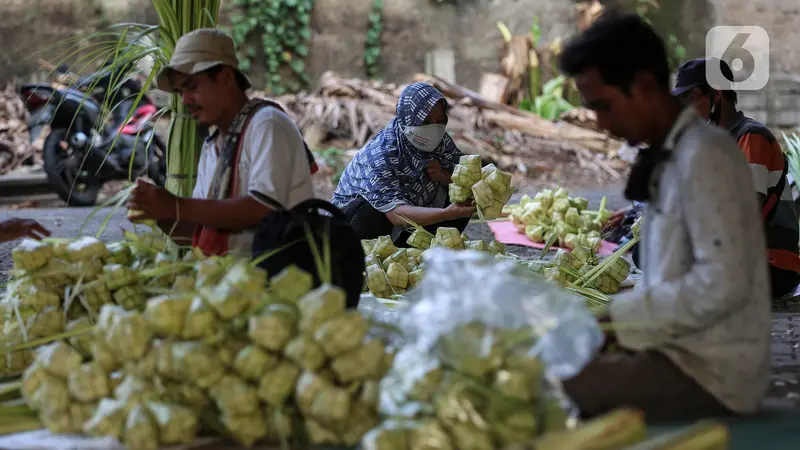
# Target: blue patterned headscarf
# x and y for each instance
(389, 171)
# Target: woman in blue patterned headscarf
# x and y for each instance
(404, 171)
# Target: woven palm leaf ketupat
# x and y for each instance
(261, 358)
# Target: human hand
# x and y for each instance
(152, 202)
(22, 228)
(459, 210)
(606, 324)
(615, 219)
(437, 174)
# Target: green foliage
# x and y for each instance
(792, 152)
(676, 52)
(372, 44)
(536, 32)
(334, 158)
(551, 104)
(282, 30)
(534, 69)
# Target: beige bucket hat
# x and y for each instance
(197, 51)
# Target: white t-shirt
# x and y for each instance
(273, 163)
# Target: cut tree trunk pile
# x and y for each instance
(346, 113)
(15, 146)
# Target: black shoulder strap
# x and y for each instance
(304, 207)
(222, 179)
(314, 204)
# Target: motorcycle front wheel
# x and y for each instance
(62, 165)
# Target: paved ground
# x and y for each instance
(785, 384)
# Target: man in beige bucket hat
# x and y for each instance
(255, 161)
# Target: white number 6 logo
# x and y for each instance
(746, 50)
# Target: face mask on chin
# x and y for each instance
(425, 138)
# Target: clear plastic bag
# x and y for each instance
(487, 343)
(382, 310)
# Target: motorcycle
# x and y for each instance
(79, 160)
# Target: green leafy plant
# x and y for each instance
(548, 100)
(372, 44)
(334, 158)
(535, 70)
(551, 103)
(278, 30)
(792, 152)
(647, 10)
(677, 52)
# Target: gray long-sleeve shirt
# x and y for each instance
(705, 300)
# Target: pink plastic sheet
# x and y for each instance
(506, 233)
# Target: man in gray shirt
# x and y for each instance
(694, 337)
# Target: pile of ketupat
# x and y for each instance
(481, 388)
(472, 375)
(583, 273)
(213, 351)
(393, 271)
(489, 186)
(60, 285)
(220, 355)
(554, 215)
(571, 266)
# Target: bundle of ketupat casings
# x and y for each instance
(482, 347)
(553, 213)
(208, 345)
(392, 271)
(569, 266)
(488, 186)
(486, 347)
(485, 340)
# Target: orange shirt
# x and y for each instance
(767, 165)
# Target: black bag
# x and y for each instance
(281, 227)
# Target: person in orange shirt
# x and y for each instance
(767, 164)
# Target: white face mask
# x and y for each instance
(425, 138)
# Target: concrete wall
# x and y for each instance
(779, 103)
(414, 27)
